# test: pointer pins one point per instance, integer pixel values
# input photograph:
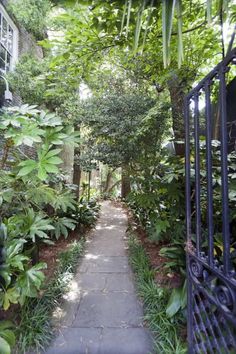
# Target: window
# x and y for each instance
(8, 42)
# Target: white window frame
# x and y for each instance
(15, 49)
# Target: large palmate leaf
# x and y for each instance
(64, 201)
(55, 136)
(8, 120)
(47, 163)
(31, 225)
(72, 136)
(29, 134)
(15, 259)
(8, 297)
(62, 225)
(30, 282)
(24, 110)
(49, 119)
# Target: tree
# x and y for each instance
(113, 122)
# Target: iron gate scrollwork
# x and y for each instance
(211, 239)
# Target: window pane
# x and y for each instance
(10, 39)
(3, 58)
(2, 65)
(0, 25)
(2, 53)
(8, 63)
(4, 32)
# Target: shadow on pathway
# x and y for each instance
(101, 313)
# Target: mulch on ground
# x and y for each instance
(157, 262)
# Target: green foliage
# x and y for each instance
(62, 225)
(155, 300)
(113, 122)
(27, 79)
(28, 126)
(33, 211)
(177, 300)
(158, 200)
(87, 212)
(30, 225)
(32, 14)
(35, 328)
(7, 337)
(19, 279)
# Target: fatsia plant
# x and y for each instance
(30, 225)
(18, 278)
(30, 199)
(62, 225)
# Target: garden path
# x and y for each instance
(102, 314)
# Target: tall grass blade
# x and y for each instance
(168, 7)
(180, 33)
(139, 24)
(123, 17)
(209, 11)
(128, 16)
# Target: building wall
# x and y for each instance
(26, 44)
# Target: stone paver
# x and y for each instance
(101, 313)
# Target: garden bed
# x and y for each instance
(162, 276)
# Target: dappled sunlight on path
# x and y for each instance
(101, 313)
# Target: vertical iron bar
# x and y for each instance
(209, 173)
(188, 223)
(224, 172)
(197, 173)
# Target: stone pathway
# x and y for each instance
(102, 314)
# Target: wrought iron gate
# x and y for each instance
(211, 253)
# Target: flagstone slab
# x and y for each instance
(102, 314)
(113, 309)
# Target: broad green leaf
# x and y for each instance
(42, 174)
(51, 168)
(4, 346)
(54, 160)
(30, 282)
(10, 296)
(174, 303)
(9, 337)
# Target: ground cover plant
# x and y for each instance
(155, 300)
(35, 329)
(107, 97)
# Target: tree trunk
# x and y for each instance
(108, 180)
(67, 156)
(176, 89)
(77, 178)
(125, 183)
